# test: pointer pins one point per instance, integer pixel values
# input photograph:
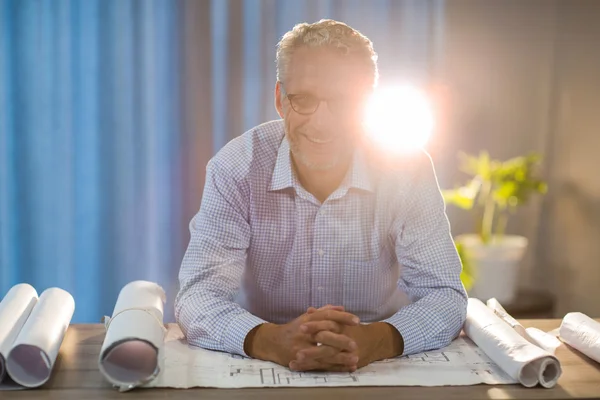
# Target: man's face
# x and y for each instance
(337, 87)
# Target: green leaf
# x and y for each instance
(467, 280)
(463, 197)
(456, 198)
(496, 186)
(541, 187)
(466, 276)
(505, 191)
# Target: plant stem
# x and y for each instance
(488, 215)
(501, 225)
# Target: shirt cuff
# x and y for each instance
(236, 332)
(407, 322)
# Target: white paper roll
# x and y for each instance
(521, 360)
(583, 333)
(14, 311)
(544, 340)
(134, 338)
(532, 335)
(495, 306)
(34, 352)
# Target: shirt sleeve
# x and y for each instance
(212, 268)
(430, 266)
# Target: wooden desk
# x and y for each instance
(76, 376)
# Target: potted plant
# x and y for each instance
(490, 257)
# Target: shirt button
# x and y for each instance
(321, 252)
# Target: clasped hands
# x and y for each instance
(329, 339)
(324, 339)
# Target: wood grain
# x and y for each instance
(76, 376)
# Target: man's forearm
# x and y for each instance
(381, 340)
(432, 321)
(214, 323)
(260, 343)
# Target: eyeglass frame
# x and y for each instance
(291, 96)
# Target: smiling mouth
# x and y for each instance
(318, 141)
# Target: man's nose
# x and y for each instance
(322, 118)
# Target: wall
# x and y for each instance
(525, 76)
(569, 244)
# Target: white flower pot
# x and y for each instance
(495, 265)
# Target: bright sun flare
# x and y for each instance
(399, 118)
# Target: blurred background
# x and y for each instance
(110, 110)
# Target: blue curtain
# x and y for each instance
(110, 109)
(89, 147)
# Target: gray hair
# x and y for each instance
(326, 33)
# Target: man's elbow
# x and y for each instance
(193, 323)
(461, 304)
(454, 311)
(458, 314)
(459, 299)
(182, 313)
(179, 307)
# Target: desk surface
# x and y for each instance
(76, 376)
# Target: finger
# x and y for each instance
(317, 326)
(334, 315)
(341, 342)
(332, 307)
(343, 358)
(316, 353)
(327, 307)
(327, 354)
(306, 365)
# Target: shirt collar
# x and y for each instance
(282, 173)
(283, 176)
(360, 177)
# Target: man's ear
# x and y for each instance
(278, 99)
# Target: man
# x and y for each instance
(305, 229)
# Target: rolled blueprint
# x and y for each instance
(538, 337)
(583, 333)
(35, 349)
(497, 308)
(14, 311)
(543, 339)
(521, 360)
(134, 336)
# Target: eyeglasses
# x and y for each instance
(307, 104)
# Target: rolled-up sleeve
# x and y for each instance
(431, 268)
(212, 268)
